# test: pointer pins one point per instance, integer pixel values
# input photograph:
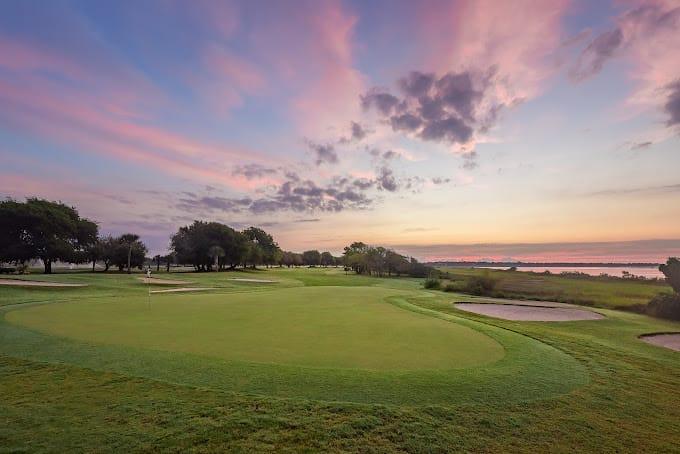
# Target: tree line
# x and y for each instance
(380, 261)
(52, 231)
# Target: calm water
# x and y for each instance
(647, 272)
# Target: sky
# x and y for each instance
(532, 130)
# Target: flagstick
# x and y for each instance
(148, 285)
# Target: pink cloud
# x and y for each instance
(311, 53)
(515, 52)
(226, 78)
(70, 120)
(651, 43)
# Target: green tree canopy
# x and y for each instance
(671, 269)
(40, 229)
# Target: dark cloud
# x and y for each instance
(593, 57)
(641, 145)
(307, 220)
(293, 195)
(323, 153)
(383, 102)
(253, 171)
(389, 155)
(470, 161)
(363, 183)
(440, 180)
(672, 106)
(357, 133)
(386, 180)
(194, 203)
(458, 92)
(662, 189)
(448, 109)
(416, 84)
(641, 23)
(379, 155)
(406, 122)
(451, 129)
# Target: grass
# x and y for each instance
(560, 387)
(333, 327)
(589, 291)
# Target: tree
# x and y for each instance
(40, 229)
(269, 248)
(216, 252)
(327, 259)
(254, 255)
(312, 258)
(288, 259)
(109, 248)
(129, 239)
(95, 252)
(364, 259)
(126, 252)
(197, 243)
(169, 259)
(671, 269)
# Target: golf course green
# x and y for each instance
(332, 327)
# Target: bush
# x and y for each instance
(432, 284)
(481, 285)
(22, 268)
(665, 306)
(450, 287)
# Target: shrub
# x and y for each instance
(665, 306)
(481, 285)
(671, 269)
(432, 283)
(22, 268)
(450, 287)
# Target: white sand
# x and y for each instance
(529, 312)
(520, 302)
(182, 289)
(154, 280)
(243, 279)
(671, 341)
(23, 283)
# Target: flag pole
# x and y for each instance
(148, 284)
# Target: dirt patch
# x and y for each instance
(529, 313)
(23, 283)
(243, 279)
(182, 289)
(156, 281)
(668, 340)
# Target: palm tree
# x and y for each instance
(129, 239)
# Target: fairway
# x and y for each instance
(330, 327)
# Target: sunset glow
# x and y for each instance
(447, 130)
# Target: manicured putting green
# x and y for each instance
(329, 327)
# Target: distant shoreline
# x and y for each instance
(543, 264)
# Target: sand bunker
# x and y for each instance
(243, 279)
(531, 313)
(23, 283)
(154, 280)
(182, 289)
(671, 340)
(524, 302)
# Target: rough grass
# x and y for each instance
(607, 293)
(66, 395)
